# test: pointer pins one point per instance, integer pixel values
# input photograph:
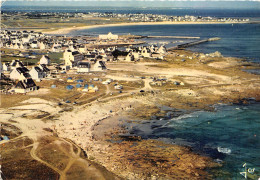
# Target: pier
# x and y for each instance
(183, 46)
(177, 37)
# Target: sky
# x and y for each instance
(140, 3)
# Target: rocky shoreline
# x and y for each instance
(132, 157)
(108, 141)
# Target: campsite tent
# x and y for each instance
(78, 86)
(79, 81)
(69, 79)
(91, 86)
(5, 138)
(69, 87)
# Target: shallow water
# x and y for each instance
(230, 134)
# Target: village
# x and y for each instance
(140, 17)
(110, 16)
(81, 57)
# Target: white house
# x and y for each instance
(72, 58)
(56, 48)
(83, 67)
(162, 50)
(146, 52)
(45, 69)
(16, 63)
(108, 36)
(45, 60)
(16, 46)
(36, 73)
(26, 38)
(20, 73)
(6, 67)
(34, 44)
(42, 45)
(24, 86)
(129, 57)
(82, 49)
(154, 48)
(99, 66)
(21, 46)
(136, 55)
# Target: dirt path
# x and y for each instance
(34, 129)
(75, 157)
(34, 156)
(147, 85)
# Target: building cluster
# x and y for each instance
(17, 71)
(17, 15)
(30, 40)
(135, 17)
(136, 53)
(94, 59)
(140, 17)
(24, 77)
(26, 40)
(21, 39)
(77, 56)
(89, 62)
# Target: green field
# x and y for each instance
(54, 56)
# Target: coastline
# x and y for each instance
(104, 143)
(97, 127)
(69, 30)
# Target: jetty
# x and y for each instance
(177, 37)
(183, 46)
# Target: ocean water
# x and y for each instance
(229, 135)
(237, 40)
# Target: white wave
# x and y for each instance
(224, 150)
(180, 118)
(185, 116)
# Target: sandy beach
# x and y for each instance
(69, 30)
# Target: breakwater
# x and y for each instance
(185, 45)
(177, 37)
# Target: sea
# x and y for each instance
(230, 134)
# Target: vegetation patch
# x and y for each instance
(17, 162)
(10, 131)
